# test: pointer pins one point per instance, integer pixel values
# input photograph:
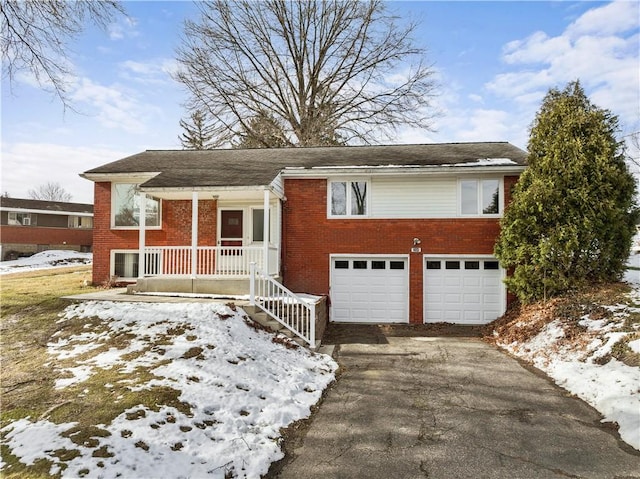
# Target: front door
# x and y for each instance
(231, 228)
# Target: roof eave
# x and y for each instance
(137, 177)
(45, 212)
(323, 172)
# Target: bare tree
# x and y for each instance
(197, 134)
(36, 33)
(322, 69)
(50, 191)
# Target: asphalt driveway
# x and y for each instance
(428, 406)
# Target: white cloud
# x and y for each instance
(125, 28)
(113, 106)
(615, 17)
(25, 166)
(155, 71)
(600, 48)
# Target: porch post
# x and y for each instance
(142, 228)
(194, 234)
(265, 232)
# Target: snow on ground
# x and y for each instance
(46, 260)
(613, 388)
(242, 388)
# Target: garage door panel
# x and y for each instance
(452, 281)
(472, 294)
(472, 299)
(452, 298)
(452, 316)
(472, 282)
(375, 294)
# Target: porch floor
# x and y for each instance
(120, 294)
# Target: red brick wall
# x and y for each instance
(309, 237)
(176, 229)
(48, 236)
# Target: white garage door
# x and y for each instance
(463, 290)
(369, 290)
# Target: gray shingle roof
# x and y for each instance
(53, 206)
(247, 167)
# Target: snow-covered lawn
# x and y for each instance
(46, 260)
(576, 354)
(239, 387)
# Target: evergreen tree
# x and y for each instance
(573, 213)
(197, 135)
(262, 131)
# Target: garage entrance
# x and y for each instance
(463, 290)
(369, 289)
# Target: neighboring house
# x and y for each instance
(30, 226)
(391, 234)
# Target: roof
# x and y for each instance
(247, 167)
(41, 205)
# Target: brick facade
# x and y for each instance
(309, 238)
(175, 231)
(33, 239)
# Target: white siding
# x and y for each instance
(418, 197)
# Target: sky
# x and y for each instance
(493, 61)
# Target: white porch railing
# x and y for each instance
(289, 309)
(210, 260)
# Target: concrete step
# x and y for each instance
(262, 318)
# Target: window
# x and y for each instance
(480, 197)
(378, 265)
(434, 265)
(452, 264)
(258, 225)
(80, 222)
(359, 265)
(342, 264)
(348, 198)
(125, 265)
(491, 265)
(472, 265)
(396, 264)
(126, 207)
(21, 219)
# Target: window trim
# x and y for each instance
(348, 214)
(15, 222)
(73, 219)
(113, 209)
(479, 197)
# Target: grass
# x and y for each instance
(30, 309)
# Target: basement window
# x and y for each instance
(125, 265)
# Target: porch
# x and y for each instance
(246, 229)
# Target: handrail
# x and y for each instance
(286, 307)
(210, 260)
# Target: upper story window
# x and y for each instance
(21, 219)
(84, 222)
(125, 207)
(348, 198)
(480, 197)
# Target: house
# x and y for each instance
(30, 226)
(390, 234)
